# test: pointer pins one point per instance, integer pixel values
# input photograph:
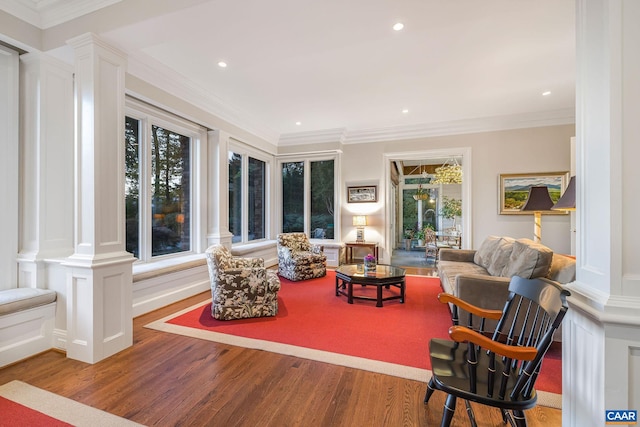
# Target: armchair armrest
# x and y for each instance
(316, 249)
(237, 262)
(285, 252)
(244, 272)
(461, 334)
(444, 297)
(252, 280)
(463, 255)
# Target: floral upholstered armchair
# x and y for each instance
(240, 287)
(298, 259)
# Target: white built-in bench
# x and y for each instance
(27, 318)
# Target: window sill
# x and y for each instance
(247, 248)
(159, 268)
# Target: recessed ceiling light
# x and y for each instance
(405, 111)
(222, 64)
(546, 93)
(298, 123)
(398, 26)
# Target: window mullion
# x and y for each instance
(146, 220)
(245, 197)
(307, 197)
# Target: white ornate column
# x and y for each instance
(99, 278)
(46, 226)
(601, 335)
(218, 202)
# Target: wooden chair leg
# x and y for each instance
(449, 410)
(520, 420)
(430, 389)
(472, 417)
(506, 417)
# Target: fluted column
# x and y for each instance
(601, 334)
(218, 220)
(99, 277)
(46, 226)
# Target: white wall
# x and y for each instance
(542, 149)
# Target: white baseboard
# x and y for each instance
(155, 302)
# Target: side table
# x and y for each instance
(350, 245)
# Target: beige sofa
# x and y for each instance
(481, 277)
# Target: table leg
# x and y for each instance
(350, 293)
(402, 290)
(379, 295)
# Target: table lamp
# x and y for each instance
(568, 200)
(538, 201)
(359, 221)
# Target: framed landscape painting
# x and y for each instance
(362, 194)
(514, 189)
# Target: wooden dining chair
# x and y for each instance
(430, 244)
(497, 368)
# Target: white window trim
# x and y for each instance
(307, 158)
(150, 115)
(247, 151)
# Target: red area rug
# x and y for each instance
(314, 323)
(22, 404)
(16, 415)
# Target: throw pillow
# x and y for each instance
(499, 265)
(484, 253)
(529, 259)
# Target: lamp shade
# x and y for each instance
(568, 200)
(538, 200)
(359, 220)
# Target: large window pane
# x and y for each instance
(257, 175)
(132, 185)
(171, 189)
(322, 203)
(292, 197)
(235, 196)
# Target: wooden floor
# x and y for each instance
(171, 380)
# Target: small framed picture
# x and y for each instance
(514, 190)
(363, 194)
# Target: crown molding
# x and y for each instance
(49, 13)
(176, 84)
(313, 137)
(477, 125)
(25, 10)
(424, 130)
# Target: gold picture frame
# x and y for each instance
(514, 189)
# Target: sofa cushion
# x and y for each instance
(486, 250)
(499, 265)
(529, 259)
(448, 270)
(16, 299)
(563, 269)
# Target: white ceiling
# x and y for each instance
(337, 66)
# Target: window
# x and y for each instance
(247, 195)
(158, 183)
(308, 197)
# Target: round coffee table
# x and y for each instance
(383, 276)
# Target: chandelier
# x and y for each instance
(448, 173)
